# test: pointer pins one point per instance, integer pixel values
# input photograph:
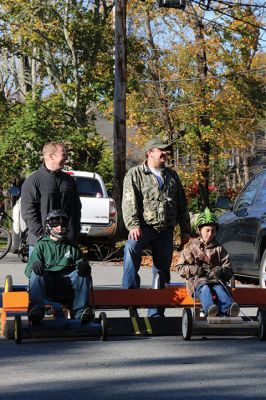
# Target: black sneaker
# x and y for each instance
(35, 315)
(87, 316)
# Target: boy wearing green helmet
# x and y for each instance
(205, 264)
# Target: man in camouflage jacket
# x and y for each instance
(153, 204)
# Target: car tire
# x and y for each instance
(263, 271)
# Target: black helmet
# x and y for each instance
(55, 218)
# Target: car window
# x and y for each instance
(261, 197)
(246, 198)
(89, 187)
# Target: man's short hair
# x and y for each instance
(51, 148)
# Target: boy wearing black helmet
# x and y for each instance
(206, 266)
(58, 270)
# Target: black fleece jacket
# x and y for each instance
(46, 190)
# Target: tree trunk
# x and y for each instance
(120, 109)
(204, 158)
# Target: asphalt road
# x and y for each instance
(129, 367)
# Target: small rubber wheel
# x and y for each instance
(261, 317)
(8, 283)
(18, 329)
(187, 324)
(104, 324)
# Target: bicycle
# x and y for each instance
(5, 235)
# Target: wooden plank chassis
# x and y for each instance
(170, 297)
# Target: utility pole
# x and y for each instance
(119, 133)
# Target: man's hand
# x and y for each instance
(134, 233)
(38, 268)
(84, 269)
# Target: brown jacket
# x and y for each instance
(207, 256)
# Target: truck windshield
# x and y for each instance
(89, 187)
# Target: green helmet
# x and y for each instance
(206, 218)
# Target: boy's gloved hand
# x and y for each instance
(201, 272)
(216, 272)
(206, 267)
(84, 269)
(38, 268)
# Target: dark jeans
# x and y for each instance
(59, 287)
(161, 244)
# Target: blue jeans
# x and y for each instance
(161, 244)
(68, 284)
(223, 299)
(31, 248)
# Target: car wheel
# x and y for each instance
(263, 271)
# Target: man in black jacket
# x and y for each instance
(47, 189)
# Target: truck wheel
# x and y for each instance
(17, 329)
(263, 271)
(8, 283)
(187, 324)
(104, 324)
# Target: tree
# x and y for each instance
(31, 125)
(204, 86)
(57, 60)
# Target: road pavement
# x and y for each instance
(129, 368)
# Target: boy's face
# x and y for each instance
(58, 231)
(208, 233)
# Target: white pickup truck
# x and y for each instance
(98, 213)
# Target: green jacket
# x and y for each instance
(144, 203)
(55, 255)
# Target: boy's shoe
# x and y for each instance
(234, 310)
(35, 315)
(213, 310)
(87, 316)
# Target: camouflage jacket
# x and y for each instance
(192, 257)
(144, 203)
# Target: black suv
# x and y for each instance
(242, 230)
